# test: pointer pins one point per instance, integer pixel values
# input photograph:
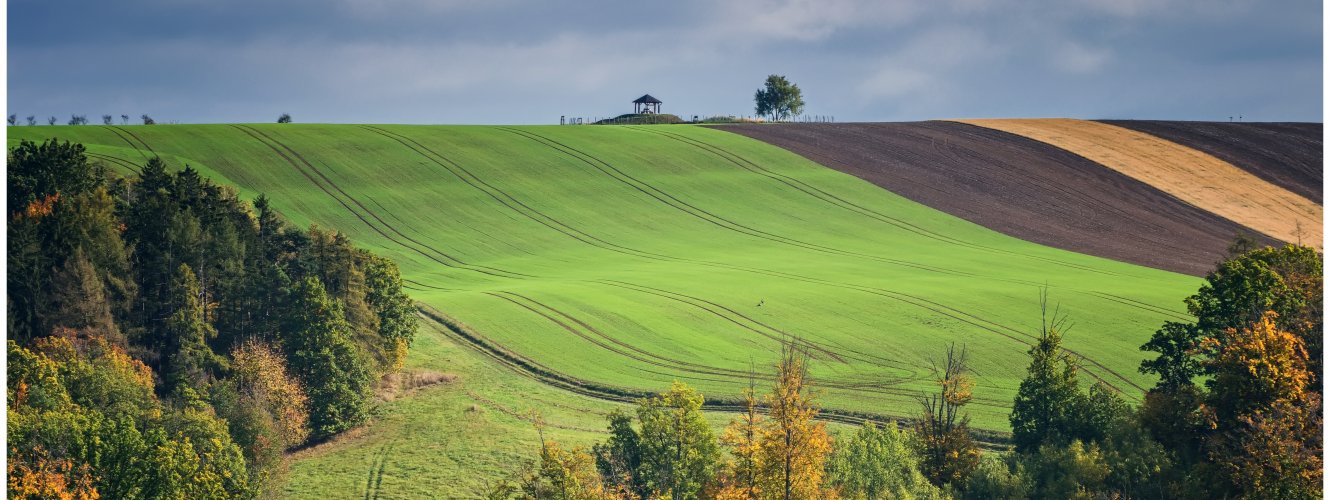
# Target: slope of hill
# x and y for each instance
(1189, 174)
(618, 259)
(1289, 155)
(1016, 186)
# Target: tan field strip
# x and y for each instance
(1191, 175)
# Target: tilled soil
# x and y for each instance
(1016, 186)
(1288, 155)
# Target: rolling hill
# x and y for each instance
(565, 266)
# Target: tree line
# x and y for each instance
(1236, 414)
(168, 339)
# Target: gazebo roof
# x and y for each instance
(647, 99)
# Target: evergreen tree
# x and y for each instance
(188, 331)
(1048, 397)
(317, 340)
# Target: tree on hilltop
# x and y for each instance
(779, 99)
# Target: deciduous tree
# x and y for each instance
(779, 99)
(794, 447)
(679, 451)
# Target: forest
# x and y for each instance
(170, 340)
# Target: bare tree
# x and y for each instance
(13, 118)
(51, 120)
(124, 119)
(32, 120)
(106, 119)
(950, 454)
(78, 119)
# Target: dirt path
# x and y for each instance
(1016, 186)
(1289, 155)
(1189, 174)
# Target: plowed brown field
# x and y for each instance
(1189, 174)
(1290, 155)
(1017, 186)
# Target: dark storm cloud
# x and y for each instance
(510, 61)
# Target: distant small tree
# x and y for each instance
(106, 119)
(13, 118)
(285, 118)
(50, 120)
(124, 119)
(78, 119)
(147, 120)
(32, 120)
(779, 99)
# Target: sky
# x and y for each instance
(531, 61)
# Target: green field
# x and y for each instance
(627, 257)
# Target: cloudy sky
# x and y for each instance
(530, 61)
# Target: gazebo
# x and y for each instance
(646, 105)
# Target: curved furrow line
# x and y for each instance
(883, 385)
(431, 287)
(131, 144)
(881, 292)
(771, 333)
(682, 206)
(851, 206)
(609, 343)
(117, 160)
(1142, 305)
(353, 211)
(136, 137)
(390, 227)
(513, 203)
(544, 375)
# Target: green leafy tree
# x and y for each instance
(1049, 397)
(395, 311)
(999, 477)
(879, 462)
(619, 459)
(317, 340)
(679, 451)
(779, 99)
(1072, 470)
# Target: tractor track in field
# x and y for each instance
(837, 201)
(527, 416)
(713, 219)
(121, 135)
(935, 307)
(117, 160)
(378, 462)
(1016, 186)
(136, 137)
(771, 333)
(512, 202)
(883, 386)
(451, 262)
(541, 374)
(440, 160)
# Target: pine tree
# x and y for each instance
(188, 332)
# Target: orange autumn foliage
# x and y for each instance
(39, 476)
